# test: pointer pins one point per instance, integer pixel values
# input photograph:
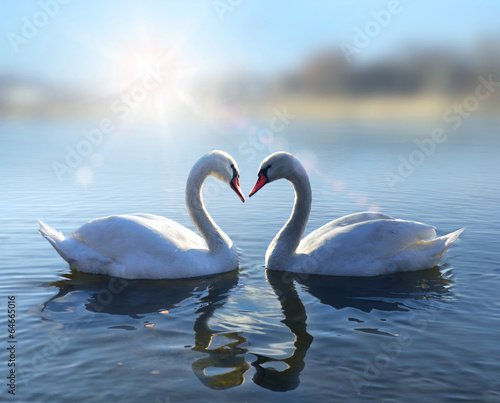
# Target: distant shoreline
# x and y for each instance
(377, 108)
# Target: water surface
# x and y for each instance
(251, 335)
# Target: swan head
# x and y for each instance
(224, 168)
(280, 165)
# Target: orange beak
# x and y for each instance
(235, 185)
(261, 181)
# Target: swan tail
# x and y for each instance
(76, 253)
(51, 235)
(435, 248)
(442, 243)
(452, 237)
(427, 253)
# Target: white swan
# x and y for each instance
(362, 244)
(146, 246)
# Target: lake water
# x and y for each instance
(251, 335)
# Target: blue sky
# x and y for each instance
(93, 41)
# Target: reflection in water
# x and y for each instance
(384, 293)
(227, 356)
(223, 363)
(116, 296)
(295, 320)
(137, 298)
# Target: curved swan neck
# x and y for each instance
(288, 239)
(216, 239)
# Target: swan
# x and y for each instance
(146, 246)
(362, 244)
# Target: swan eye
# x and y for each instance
(235, 173)
(264, 171)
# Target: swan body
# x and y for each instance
(146, 246)
(362, 244)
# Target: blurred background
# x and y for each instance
(219, 60)
(78, 80)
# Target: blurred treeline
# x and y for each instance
(440, 72)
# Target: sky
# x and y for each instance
(76, 42)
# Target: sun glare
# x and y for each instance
(84, 176)
(151, 78)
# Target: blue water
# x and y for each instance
(251, 335)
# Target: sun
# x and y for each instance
(160, 72)
(149, 77)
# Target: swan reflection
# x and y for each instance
(385, 293)
(228, 358)
(295, 319)
(220, 357)
(140, 298)
(393, 292)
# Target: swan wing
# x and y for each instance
(138, 246)
(372, 247)
(142, 234)
(343, 222)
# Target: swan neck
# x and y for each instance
(288, 239)
(216, 239)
